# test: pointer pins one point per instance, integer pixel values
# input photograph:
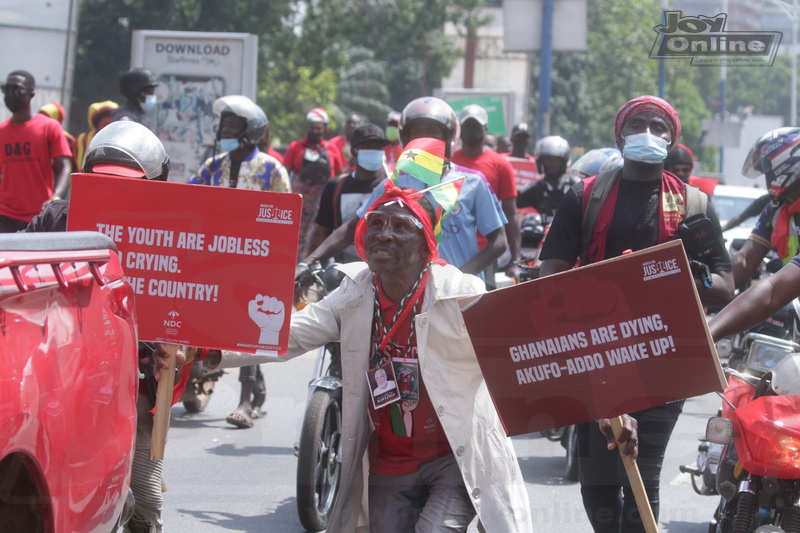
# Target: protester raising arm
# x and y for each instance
(757, 303)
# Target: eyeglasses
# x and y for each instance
(12, 89)
(396, 223)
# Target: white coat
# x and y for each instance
(454, 382)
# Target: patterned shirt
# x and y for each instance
(258, 172)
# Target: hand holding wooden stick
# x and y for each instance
(628, 450)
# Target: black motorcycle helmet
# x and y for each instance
(776, 155)
(135, 80)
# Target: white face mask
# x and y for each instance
(228, 145)
(150, 101)
(645, 148)
(370, 160)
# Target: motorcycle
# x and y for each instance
(319, 450)
(199, 388)
(741, 353)
(758, 476)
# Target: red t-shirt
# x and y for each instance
(496, 168)
(274, 153)
(340, 143)
(389, 453)
(392, 152)
(293, 158)
(26, 164)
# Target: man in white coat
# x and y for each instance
(434, 470)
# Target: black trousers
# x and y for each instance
(11, 225)
(607, 496)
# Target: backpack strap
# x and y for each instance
(337, 194)
(600, 190)
(696, 201)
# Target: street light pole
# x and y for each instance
(793, 13)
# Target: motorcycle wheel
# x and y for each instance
(318, 461)
(571, 438)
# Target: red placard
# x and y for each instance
(200, 258)
(525, 172)
(595, 342)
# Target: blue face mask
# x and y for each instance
(149, 103)
(228, 145)
(370, 160)
(645, 148)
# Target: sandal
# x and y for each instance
(257, 412)
(240, 419)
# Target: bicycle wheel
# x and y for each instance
(318, 461)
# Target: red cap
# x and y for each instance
(118, 170)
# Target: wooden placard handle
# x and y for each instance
(635, 479)
(158, 440)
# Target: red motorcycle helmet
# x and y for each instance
(776, 155)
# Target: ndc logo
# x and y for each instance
(172, 323)
(705, 41)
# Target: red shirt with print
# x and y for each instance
(391, 454)
(27, 151)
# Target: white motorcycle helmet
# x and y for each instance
(127, 149)
(242, 106)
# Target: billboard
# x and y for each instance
(194, 69)
(39, 37)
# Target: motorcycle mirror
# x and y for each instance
(786, 375)
(719, 430)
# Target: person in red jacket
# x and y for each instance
(311, 163)
(342, 143)
(497, 170)
(395, 147)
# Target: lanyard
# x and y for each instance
(381, 335)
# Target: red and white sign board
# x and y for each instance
(525, 172)
(209, 265)
(595, 342)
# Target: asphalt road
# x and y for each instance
(220, 478)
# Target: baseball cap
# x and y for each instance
(394, 116)
(367, 133)
(476, 112)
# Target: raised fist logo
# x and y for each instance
(268, 313)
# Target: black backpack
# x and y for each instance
(316, 167)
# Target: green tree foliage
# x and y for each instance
(589, 87)
(104, 36)
(367, 56)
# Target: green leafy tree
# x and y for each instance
(589, 87)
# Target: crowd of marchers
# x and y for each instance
(423, 463)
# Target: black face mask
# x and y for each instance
(313, 137)
(472, 136)
(14, 102)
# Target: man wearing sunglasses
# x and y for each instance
(34, 156)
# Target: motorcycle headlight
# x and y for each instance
(724, 347)
(719, 430)
(765, 351)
